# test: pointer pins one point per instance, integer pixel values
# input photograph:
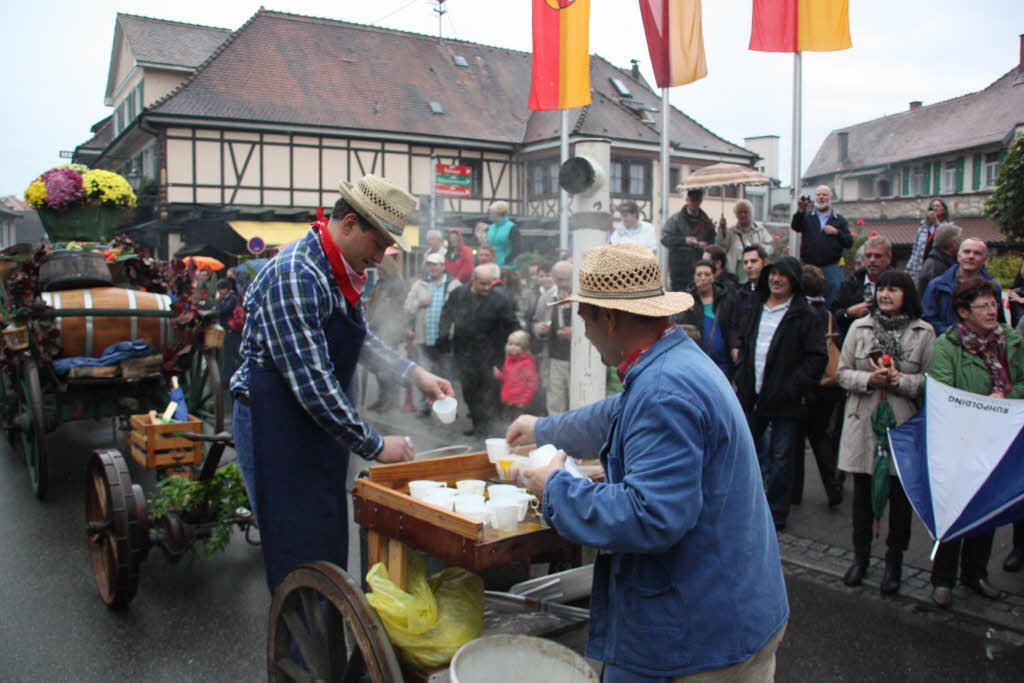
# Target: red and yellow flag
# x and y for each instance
(800, 26)
(675, 41)
(561, 57)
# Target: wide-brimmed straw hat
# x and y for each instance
(626, 277)
(383, 204)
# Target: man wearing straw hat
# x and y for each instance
(294, 423)
(688, 577)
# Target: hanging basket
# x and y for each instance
(81, 223)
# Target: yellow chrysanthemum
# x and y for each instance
(36, 193)
(109, 188)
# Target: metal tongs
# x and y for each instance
(540, 605)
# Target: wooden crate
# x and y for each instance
(159, 445)
(383, 506)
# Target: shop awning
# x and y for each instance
(275, 233)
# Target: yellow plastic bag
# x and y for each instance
(433, 619)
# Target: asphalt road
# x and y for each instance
(206, 620)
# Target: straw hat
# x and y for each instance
(383, 204)
(626, 277)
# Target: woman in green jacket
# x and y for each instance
(983, 356)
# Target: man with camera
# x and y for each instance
(825, 235)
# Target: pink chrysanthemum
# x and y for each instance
(63, 187)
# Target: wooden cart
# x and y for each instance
(34, 400)
(323, 611)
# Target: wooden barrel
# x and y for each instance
(74, 270)
(90, 335)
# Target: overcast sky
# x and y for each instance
(57, 54)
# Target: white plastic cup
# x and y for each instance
(542, 456)
(419, 487)
(446, 409)
(503, 514)
(472, 507)
(469, 497)
(495, 491)
(476, 486)
(444, 498)
(497, 448)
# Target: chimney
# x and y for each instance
(844, 146)
(636, 62)
(916, 104)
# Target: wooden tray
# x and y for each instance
(383, 506)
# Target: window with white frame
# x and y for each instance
(948, 177)
(916, 181)
(991, 169)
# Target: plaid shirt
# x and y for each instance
(437, 297)
(916, 259)
(286, 306)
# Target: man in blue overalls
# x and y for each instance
(294, 423)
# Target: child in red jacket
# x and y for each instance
(519, 377)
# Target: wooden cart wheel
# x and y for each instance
(203, 389)
(32, 428)
(321, 628)
(117, 526)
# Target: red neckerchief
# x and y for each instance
(631, 360)
(334, 258)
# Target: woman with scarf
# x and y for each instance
(893, 328)
(981, 355)
(503, 235)
(937, 214)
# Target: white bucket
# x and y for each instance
(507, 658)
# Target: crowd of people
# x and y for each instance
(768, 324)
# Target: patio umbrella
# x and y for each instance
(720, 175)
(204, 262)
(961, 461)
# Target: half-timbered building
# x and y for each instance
(236, 134)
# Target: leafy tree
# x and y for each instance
(1006, 205)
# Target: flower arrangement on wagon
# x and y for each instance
(75, 202)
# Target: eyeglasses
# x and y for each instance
(985, 306)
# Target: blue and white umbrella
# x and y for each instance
(961, 461)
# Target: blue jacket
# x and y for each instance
(937, 302)
(689, 576)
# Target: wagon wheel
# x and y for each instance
(203, 389)
(31, 438)
(337, 636)
(115, 511)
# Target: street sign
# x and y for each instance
(67, 154)
(453, 181)
(256, 246)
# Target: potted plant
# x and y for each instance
(78, 203)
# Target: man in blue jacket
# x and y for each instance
(937, 300)
(688, 577)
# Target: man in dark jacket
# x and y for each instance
(478, 321)
(937, 300)
(754, 259)
(853, 300)
(945, 244)
(782, 358)
(825, 235)
(686, 234)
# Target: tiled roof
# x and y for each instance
(902, 232)
(103, 133)
(290, 69)
(608, 117)
(158, 42)
(964, 122)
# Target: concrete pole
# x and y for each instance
(563, 196)
(589, 224)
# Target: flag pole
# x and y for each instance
(665, 162)
(794, 238)
(563, 196)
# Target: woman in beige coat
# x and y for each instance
(893, 328)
